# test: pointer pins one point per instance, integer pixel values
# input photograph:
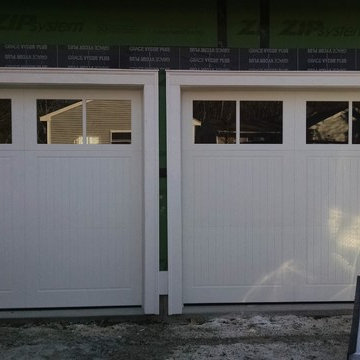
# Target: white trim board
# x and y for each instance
(77, 77)
(264, 79)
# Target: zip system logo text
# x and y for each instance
(11, 22)
(294, 27)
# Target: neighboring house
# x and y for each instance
(108, 122)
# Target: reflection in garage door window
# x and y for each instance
(327, 122)
(59, 121)
(214, 122)
(261, 122)
(5, 121)
(356, 122)
(108, 121)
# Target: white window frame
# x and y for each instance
(181, 80)
(147, 81)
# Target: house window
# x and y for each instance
(120, 137)
(5, 121)
(214, 122)
(70, 122)
(327, 122)
(261, 122)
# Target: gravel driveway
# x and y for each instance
(230, 336)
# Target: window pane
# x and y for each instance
(214, 122)
(108, 121)
(356, 123)
(120, 137)
(327, 122)
(261, 122)
(59, 121)
(5, 121)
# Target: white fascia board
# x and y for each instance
(279, 79)
(59, 76)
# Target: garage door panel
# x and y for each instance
(233, 225)
(86, 233)
(86, 191)
(12, 293)
(81, 298)
(324, 293)
(331, 225)
(330, 261)
(65, 262)
(239, 294)
(232, 190)
(241, 260)
(12, 229)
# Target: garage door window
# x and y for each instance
(70, 122)
(59, 121)
(217, 122)
(261, 122)
(356, 122)
(109, 120)
(214, 122)
(327, 122)
(5, 121)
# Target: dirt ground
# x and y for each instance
(230, 336)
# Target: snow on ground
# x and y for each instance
(231, 336)
(269, 337)
(267, 325)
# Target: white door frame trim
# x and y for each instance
(148, 82)
(178, 80)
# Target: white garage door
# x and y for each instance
(71, 198)
(270, 196)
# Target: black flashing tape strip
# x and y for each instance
(355, 321)
(163, 172)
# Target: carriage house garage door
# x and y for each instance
(72, 195)
(269, 189)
